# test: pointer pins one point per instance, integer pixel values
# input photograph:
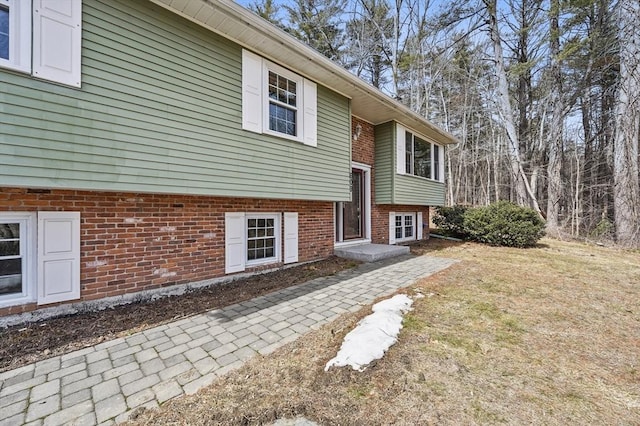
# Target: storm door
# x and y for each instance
(353, 213)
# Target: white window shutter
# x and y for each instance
(57, 40)
(400, 150)
(419, 226)
(58, 256)
(234, 242)
(392, 228)
(310, 120)
(252, 83)
(290, 237)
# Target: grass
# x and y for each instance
(548, 335)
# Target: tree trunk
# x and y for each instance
(554, 166)
(523, 193)
(626, 190)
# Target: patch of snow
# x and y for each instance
(373, 335)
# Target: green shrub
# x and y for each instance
(604, 229)
(504, 224)
(451, 219)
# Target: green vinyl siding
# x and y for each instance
(394, 188)
(418, 191)
(160, 111)
(384, 162)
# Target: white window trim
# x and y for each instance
(255, 100)
(401, 154)
(19, 35)
(278, 236)
(338, 238)
(299, 108)
(28, 238)
(415, 229)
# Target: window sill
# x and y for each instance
(261, 262)
(283, 136)
(17, 68)
(17, 301)
(405, 240)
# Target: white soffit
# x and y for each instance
(242, 26)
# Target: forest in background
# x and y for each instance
(542, 94)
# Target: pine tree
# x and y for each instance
(317, 24)
(367, 54)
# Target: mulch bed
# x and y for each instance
(24, 344)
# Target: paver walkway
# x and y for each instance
(103, 384)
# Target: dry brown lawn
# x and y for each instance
(549, 335)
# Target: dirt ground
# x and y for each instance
(548, 335)
(24, 344)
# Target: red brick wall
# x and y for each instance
(380, 220)
(133, 242)
(363, 149)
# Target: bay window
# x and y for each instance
(418, 157)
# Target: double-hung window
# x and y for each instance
(283, 103)
(405, 227)
(5, 37)
(15, 34)
(262, 238)
(256, 239)
(418, 157)
(16, 257)
(39, 257)
(48, 31)
(277, 101)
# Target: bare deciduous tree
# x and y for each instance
(627, 125)
(520, 182)
(543, 95)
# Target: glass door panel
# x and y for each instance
(353, 214)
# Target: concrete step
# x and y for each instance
(370, 252)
